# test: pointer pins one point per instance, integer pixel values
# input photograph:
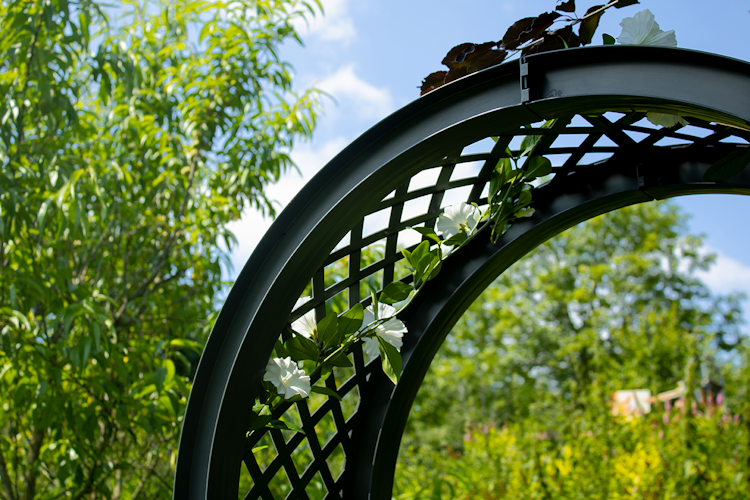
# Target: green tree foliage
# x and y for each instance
(610, 304)
(640, 458)
(128, 144)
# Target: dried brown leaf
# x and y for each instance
(527, 29)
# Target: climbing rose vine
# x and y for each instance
(325, 343)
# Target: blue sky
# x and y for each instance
(371, 56)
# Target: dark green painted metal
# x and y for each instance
(583, 81)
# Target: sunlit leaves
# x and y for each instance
(602, 307)
(395, 292)
(391, 360)
(127, 149)
(423, 262)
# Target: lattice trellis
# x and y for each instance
(569, 143)
(348, 226)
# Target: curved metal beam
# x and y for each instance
(559, 205)
(588, 80)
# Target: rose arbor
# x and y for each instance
(536, 145)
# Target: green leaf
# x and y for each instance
(159, 375)
(301, 348)
(528, 143)
(187, 344)
(374, 297)
(428, 232)
(326, 391)
(262, 409)
(525, 212)
(340, 360)
(259, 421)
(433, 269)
(328, 331)
(537, 166)
(504, 170)
(43, 213)
(395, 292)
(624, 3)
(589, 24)
(5, 370)
(391, 360)
(495, 184)
(456, 239)
(421, 269)
(415, 257)
(86, 350)
(40, 390)
(284, 426)
(729, 166)
(409, 256)
(351, 320)
(608, 39)
(169, 365)
(281, 352)
(523, 199)
(97, 335)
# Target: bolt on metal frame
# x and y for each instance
(606, 156)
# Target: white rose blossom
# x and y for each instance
(288, 379)
(457, 218)
(642, 29)
(306, 325)
(392, 330)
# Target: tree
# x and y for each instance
(128, 144)
(610, 304)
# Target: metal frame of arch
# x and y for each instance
(325, 224)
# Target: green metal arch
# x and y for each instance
(431, 133)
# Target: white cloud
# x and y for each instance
(334, 25)
(311, 159)
(356, 99)
(356, 95)
(726, 275)
(252, 226)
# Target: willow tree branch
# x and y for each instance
(6, 484)
(21, 105)
(31, 461)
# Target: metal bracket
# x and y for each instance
(524, 79)
(641, 178)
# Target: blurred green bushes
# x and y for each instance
(662, 455)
